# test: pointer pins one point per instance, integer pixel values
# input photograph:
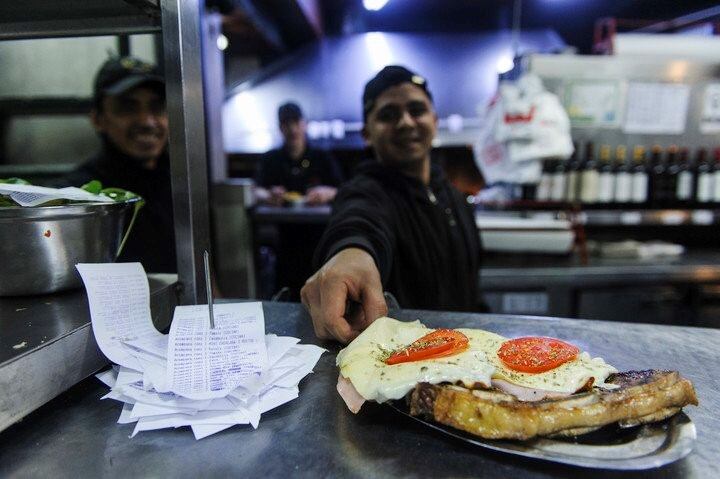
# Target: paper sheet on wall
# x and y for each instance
(119, 299)
(656, 108)
(593, 103)
(710, 119)
(208, 363)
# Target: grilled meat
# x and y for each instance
(640, 397)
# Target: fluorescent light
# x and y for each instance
(222, 42)
(378, 50)
(374, 5)
(505, 63)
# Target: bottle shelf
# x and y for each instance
(604, 217)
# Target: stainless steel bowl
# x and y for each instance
(41, 245)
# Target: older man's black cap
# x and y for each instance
(118, 75)
(289, 112)
(389, 77)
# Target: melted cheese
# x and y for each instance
(362, 362)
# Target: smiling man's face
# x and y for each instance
(135, 122)
(401, 127)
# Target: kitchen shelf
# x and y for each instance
(182, 28)
(49, 105)
(54, 347)
(607, 217)
(76, 18)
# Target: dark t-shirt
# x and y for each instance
(313, 168)
(152, 240)
(424, 239)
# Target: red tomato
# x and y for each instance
(439, 343)
(536, 354)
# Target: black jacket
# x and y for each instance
(315, 167)
(152, 240)
(424, 239)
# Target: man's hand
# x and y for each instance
(320, 195)
(349, 275)
(272, 196)
(277, 194)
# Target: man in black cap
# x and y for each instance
(295, 171)
(129, 115)
(398, 224)
(296, 167)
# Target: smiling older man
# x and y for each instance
(129, 116)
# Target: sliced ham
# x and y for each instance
(352, 398)
(523, 393)
(526, 394)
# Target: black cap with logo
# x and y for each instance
(118, 75)
(289, 112)
(389, 77)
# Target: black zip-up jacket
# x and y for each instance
(152, 240)
(315, 167)
(424, 240)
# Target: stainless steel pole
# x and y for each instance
(182, 42)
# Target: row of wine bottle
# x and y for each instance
(664, 178)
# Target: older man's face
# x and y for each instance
(136, 122)
(293, 132)
(401, 126)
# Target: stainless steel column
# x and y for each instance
(188, 158)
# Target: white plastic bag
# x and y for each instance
(524, 124)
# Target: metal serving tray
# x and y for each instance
(643, 447)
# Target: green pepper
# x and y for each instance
(93, 186)
(6, 201)
(14, 181)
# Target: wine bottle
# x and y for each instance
(641, 177)
(606, 183)
(590, 177)
(623, 177)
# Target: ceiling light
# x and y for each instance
(222, 42)
(505, 63)
(374, 5)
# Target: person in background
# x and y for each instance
(295, 172)
(296, 166)
(129, 115)
(398, 224)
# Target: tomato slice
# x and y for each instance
(437, 344)
(535, 354)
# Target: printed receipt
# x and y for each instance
(206, 363)
(119, 298)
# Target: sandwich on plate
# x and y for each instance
(500, 388)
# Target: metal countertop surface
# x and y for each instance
(75, 435)
(515, 271)
(36, 320)
(299, 214)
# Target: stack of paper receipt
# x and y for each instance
(208, 379)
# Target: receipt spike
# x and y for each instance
(208, 286)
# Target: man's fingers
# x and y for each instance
(332, 310)
(341, 330)
(373, 305)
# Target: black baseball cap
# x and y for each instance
(389, 77)
(118, 75)
(289, 112)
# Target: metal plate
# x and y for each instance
(643, 447)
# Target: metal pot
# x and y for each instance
(41, 245)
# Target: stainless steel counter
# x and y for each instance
(316, 436)
(501, 270)
(47, 346)
(306, 215)
(562, 286)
